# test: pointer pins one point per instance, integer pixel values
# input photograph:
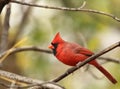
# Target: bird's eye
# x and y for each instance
(55, 44)
(52, 43)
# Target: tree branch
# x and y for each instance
(31, 82)
(19, 78)
(68, 9)
(28, 48)
(79, 65)
(109, 59)
(22, 25)
(46, 85)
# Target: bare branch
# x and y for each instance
(109, 59)
(30, 81)
(79, 65)
(83, 5)
(31, 48)
(68, 9)
(28, 48)
(4, 35)
(46, 85)
(19, 78)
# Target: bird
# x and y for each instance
(73, 53)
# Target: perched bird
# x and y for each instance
(72, 53)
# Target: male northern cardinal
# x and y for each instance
(72, 53)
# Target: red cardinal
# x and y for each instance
(72, 53)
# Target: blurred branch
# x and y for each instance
(93, 75)
(3, 3)
(19, 78)
(79, 65)
(22, 24)
(109, 59)
(12, 85)
(9, 50)
(2, 84)
(80, 37)
(4, 34)
(68, 9)
(28, 48)
(31, 82)
(47, 85)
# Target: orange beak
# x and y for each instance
(51, 47)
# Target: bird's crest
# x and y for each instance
(57, 38)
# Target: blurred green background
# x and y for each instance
(39, 25)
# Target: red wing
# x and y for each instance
(83, 51)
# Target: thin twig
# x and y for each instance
(83, 5)
(68, 9)
(79, 65)
(93, 75)
(109, 59)
(28, 48)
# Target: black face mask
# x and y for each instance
(55, 47)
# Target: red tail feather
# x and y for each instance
(108, 75)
